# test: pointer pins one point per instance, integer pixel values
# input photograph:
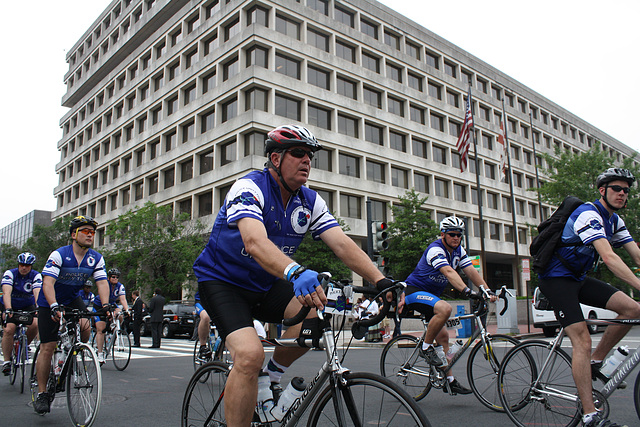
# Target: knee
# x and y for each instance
(247, 361)
(443, 308)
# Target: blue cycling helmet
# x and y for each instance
(26, 258)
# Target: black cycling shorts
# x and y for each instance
(47, 328)
(566, 295)
(232, 307)
(13, 319)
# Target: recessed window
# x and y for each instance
(346, 87)
(372, 97)
(318, 77)
(288, 66)
(318, 39)
(397, 141)
(370, 62)
(288, 27)
(345, 51)
(348, 125)
(399, 177)
(373, 133)
(342, 14)
(349, 165)
(369, 28)
(375, 172)
(319, 117)
(287, 107)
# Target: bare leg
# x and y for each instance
(626, 309)
(43, 364)
(581, 363)
(7, 340)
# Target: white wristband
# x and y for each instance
(289, 268)
(54, 305)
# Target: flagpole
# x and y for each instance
(535, 165)
(483, 261)
(513, 200)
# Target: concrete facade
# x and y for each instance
(170, 102)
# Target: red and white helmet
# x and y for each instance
(289, 136)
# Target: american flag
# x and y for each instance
(503, 152)
(464, 140)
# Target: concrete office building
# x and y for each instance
(170, 102)
(17, 233)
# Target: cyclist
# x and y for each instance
(203, 329)
(592, 231)
(245, 270)
(117, 294)
(65, 272)
(86, 294)
(20, 287)
(435, 270)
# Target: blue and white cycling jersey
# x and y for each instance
(427, 274)
(70, 277)
(589, 222)
(257, 195)
(87, 299)
(23, 286)
(114, 292)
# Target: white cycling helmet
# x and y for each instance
(452, 223)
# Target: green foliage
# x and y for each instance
(316, 255)
(9, 257)
(152, 248)
(576, 174)
(411, 231)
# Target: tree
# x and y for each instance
(316, 255)
(152, 248)
(9, 257)
(575, 174)
(411, 231)
(46, 239)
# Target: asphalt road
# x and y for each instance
(150, 391)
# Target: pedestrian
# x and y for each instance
(156, 306)
(137, 317)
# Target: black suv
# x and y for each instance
(179, 318)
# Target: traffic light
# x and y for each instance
(383, 264)
(380, 236)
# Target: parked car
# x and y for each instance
(178, 318)
(546, 319)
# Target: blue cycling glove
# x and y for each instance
(305, 282)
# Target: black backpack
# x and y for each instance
(544, 245)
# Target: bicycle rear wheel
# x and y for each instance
(84, 385)
(367, 399)
(203, 403)
(121, 350)
(553, 401)
(401, 364)
(482, 368)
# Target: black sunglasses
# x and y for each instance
(619, 188)
(455, 234)
(299, 153)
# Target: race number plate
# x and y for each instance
(454, 323)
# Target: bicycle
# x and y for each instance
(537, 387)
(20, 351)
(338, 395)
(401, 360)
(74, 369)
(117, 343)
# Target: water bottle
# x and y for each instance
(293, 391)
(440, 352)
(264, 402)
(455, 347)
(58, 362)
(217, 344)
(613, 361)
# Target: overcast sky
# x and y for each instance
(582, 55)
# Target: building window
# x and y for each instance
(454, 128)
(441, 188)
(230, 69)
(372, 97)
(413, 50)
(348, 125)
(186, 170)
(287, 27)
(417, 114)
(258, 15)
(319, 117)
(170, 141)
(318, 77)
(435, 90)
(350, 206)
(288, 66)
(231, 29)
(169, 177)
(188, 131)
(349, 165)
(345, 51)
(437, 122)
(228, 153)
(346, 87)
(439, 154)
(152, 184)
(344, 15)
(421, 182)
(394, 73)
(370, 62)
(184, 207)
(322, 160)
(229, 109)
(369, 28)
(419, 148)
(210, 44)
(321, 6)
(207, 121)
(392, 40)
(433, 60)
(257, 55)
(287, 107)
(373, 133)
(205, 204)
(399, 178)
(415, 81)
(494, 231)
(397, 141)
(490, 170)
(254, 143)
(487, 141)
(450, 69)
(375, 172)
(189, 94)
(209, 82)
(460, 192)
(256, 99)
(453, 99)
(395, 106)
(492, 200)
(318, 39)
(172, 105)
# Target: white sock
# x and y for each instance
(275, 370)
(425, 346)
(587, 417)
(6, 362)
(450, 378)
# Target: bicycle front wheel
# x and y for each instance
(366, 399)
(121, 350)
(400, 362)
(483, 365)
(84, 385)
(203, 403)
(24, 356)
(14, 360)
(535, 397)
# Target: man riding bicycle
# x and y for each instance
(246, 269)
(65, 272)
(20, 288)
(117, 294)
(435, 270)
(592, 231)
